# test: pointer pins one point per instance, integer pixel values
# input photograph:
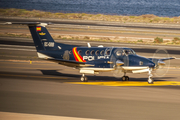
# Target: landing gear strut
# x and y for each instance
(84, 78)
(125, 78)
(150, 79)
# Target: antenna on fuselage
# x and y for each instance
(89, 45)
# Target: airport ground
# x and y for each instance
(45, 90)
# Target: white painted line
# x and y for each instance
(24, 116)
(17, 46)
(17, 49)
(107, 43)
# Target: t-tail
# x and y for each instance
(42, 38)
(43, 41)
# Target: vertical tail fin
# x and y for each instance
(41, 37)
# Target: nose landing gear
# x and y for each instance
(125, 78)
(150, 79)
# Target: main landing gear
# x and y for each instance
(150, 79)
(84, 78)
(125, 78)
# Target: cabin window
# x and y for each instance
(70, 52)
(79, 52)
(97, 52)
(107, 52)
(87, 52)
(102, 52)
(92, 52)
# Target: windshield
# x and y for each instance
(129, 52)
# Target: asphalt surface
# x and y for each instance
(44, 88)
(93, 23)
(97, 29)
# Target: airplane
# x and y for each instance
(91, 60)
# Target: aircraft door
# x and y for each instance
(125, 58)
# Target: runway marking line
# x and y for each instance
(27, 116)
(128, 83)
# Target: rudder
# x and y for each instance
(42, 39)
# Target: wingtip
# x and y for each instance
(174, 57)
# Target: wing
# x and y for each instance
(69, 63)
(163, 59)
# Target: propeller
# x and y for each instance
(116, 63)
(162, 62)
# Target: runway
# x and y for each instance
(40, 88)
(48, 89)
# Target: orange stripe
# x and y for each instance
(74, 50)
(77, 56)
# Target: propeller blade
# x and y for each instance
(162, 60)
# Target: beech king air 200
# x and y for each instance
(91, 60)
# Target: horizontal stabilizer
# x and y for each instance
(29, 23)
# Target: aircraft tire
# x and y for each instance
(84, 79)
(150, 80)
(125, 78)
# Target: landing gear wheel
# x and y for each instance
(150, 80)
(84, 79)
(125, 78)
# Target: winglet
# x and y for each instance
(89, 45)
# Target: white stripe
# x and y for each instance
(17, 46)
(98, 69)
(17, 49)
(134, 68)
(40, 55)
(25, 116)
(140, 71)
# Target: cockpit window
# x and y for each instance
(118, 53)
(129, 52)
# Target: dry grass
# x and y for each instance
(157, 40)
(83, 16)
